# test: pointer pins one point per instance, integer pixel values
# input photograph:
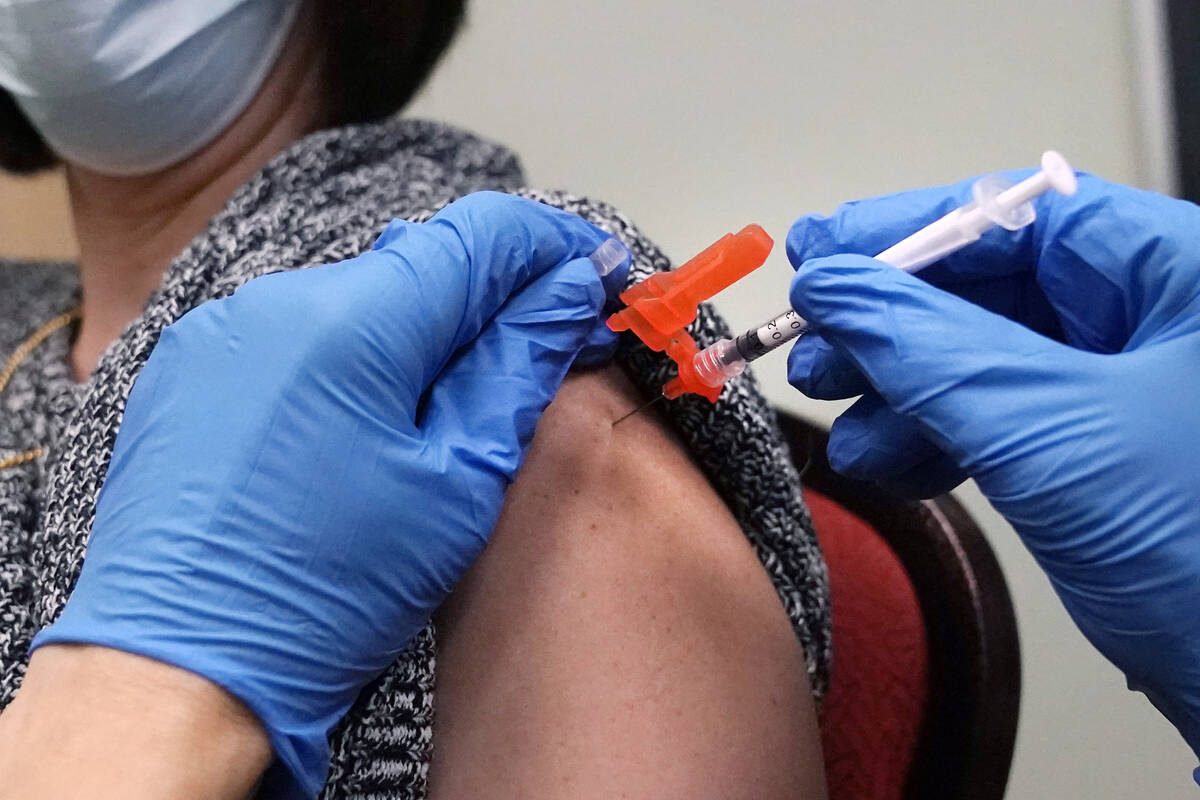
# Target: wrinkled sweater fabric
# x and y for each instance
(324, 199)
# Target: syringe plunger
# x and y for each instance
(995, 202)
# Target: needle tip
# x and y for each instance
(637, 410)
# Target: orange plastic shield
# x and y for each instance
(659, 308)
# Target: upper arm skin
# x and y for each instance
(618, 637)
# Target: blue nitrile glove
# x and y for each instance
(1074, 401)
(305, 469)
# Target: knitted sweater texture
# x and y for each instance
(322, 200)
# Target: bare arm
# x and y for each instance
(90, 722)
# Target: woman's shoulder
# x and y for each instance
(32, 292)
(647, 257)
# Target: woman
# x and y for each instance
(617, 600)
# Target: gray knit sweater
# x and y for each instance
(324, 199)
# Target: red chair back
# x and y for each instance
(926, 681)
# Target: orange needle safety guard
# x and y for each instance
(659, 308)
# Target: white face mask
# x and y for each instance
(131, 86)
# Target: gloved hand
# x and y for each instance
(306, 468)
(1059, 366)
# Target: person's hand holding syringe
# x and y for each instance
(1057, 368)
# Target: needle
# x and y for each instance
(637, 410)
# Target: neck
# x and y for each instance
(129, 228)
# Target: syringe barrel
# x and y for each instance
(726, 358)
(935, 241)
(757, 342)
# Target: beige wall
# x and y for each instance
(34, 220)
(697, 116)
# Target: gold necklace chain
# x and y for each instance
(10, 366)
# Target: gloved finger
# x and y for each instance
(459, 268)
(612, 260)
(486, 403)
(1118, 264)
(872, 225)
(961, 371)
(821, 372)
(936, 475)
(871, 442)
(599, 347)
(1017, 297)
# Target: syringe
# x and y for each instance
(996, 201)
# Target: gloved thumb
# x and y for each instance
(486, 404)
(975, 380)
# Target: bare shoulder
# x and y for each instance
(592, 470)
(619, 635)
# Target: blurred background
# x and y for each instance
(696, 117)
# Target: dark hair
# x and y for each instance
(378, 54)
